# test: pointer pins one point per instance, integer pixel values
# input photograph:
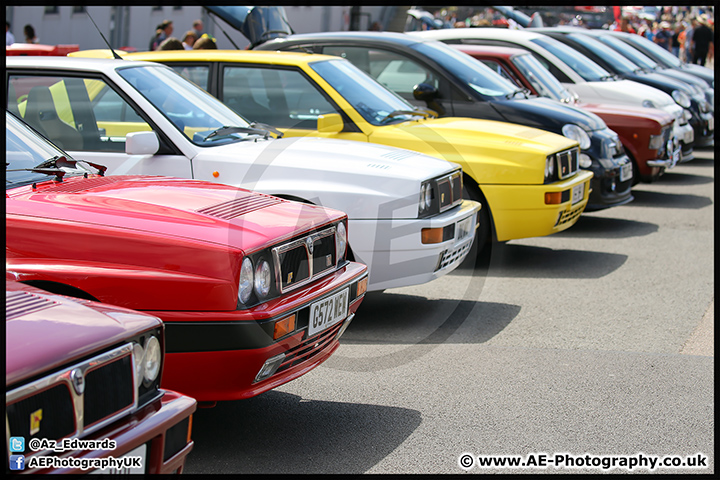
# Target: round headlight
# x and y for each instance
(263, 279)
(681, 98)
(573, 132)
(152, 360)
(246, 281)
(585, 161)
(138, 356)
(427, 198)
(549, 166)
(341, 240)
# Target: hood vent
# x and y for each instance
(531, 133)
(24, 303)
(240, 206)
(399, 154)
(81, 184)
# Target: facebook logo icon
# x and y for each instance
(17, 462)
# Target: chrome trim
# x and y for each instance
(65, 377)
(277, 251)
(558, 162)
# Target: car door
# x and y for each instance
(88, 118)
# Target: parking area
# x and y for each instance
(597, 340)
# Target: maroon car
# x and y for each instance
(646, 133)
(77, 370)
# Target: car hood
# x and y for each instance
(608, 109)
(352, 176)
(621, 91)
(547, 114)
(45, 331)
(163, 206)
(490, 151)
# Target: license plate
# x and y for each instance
(464, 228)
(327, 312)
(626, 172)
(578, 193)
(140, 451)
(711, 123)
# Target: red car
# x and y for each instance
(254, 290)
(34, 49)
(646, 133)
(85, 371)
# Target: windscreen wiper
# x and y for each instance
(254, 129)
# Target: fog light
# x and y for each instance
(362, 287)
(432, 235)
(269, 368)
(585, 161)
(284, 326)
(553, 198)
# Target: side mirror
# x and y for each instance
(330, 123)
(424, 92)
(141, 143)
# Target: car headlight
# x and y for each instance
(686, 115)
(426, 197)
(681, 98)
(263, 279)
(245, 287)
(648, 104)
(341, 241)
(550, 168)
(585, 161)
(573, 132)
(152, 361)
(656, 142)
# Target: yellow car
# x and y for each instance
(528, 180)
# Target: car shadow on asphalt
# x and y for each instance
(644, 198)
(525, 261)
(591, 226)
(674, 178)
(278, 433)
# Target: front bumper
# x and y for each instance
(163, 428)
(520, 211)
(394, 252)
(216, 356)
(704, 128)
(611, 187)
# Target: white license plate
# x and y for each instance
(626, 172)
(578, 193)
(327, 312)
(711, 123)
(464, 228)
(140, 451)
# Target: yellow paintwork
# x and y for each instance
(506, 160)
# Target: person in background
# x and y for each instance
(171, 43)
(689, 40)
(625, 26)
(163, 31)
(9, 37)
(702, 39)
(664, 35)
(206, 42)
(675, 41)
(30, 34)
(198, 26)
(189, 39)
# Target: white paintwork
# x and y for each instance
(377, 186)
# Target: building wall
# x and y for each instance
(134, 26)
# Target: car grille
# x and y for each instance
(449, 257)
(309, 348)
(304, 259)
(567, 163)
(24, 303)
(59, 411)
(668, 145)
(450, 190)
(569, 216)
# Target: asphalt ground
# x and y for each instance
(595, 341)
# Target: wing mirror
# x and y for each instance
(424, 92)
(330, 123)
(141, 143)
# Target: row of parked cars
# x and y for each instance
(209, 222)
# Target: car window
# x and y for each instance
(198, 74)
(396, 72)
(498, 68)
(76, 113)
(283, 98)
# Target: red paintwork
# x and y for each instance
(40, 342)
(139, 242)
(39, 49)
(634, 125)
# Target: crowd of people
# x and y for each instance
(193, 39)
(686, 34)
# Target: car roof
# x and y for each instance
(370, 36)
(491, 49)
(259, 56)
(565, 29)
(70, 63)
(498, 33)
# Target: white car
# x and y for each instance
(576, 72)
(143, 118)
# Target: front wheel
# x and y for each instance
(483, 234)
